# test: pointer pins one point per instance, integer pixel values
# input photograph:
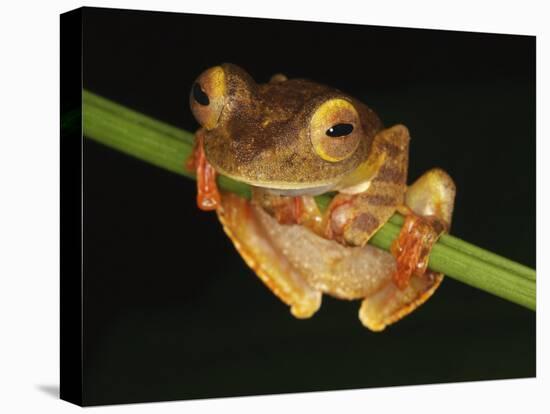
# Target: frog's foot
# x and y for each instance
(428, 213)
(391, 303)
(208, 196)
(285, 209)
(243, 224)
(412, 248)
(290, 209)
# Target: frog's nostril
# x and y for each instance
(199, 95)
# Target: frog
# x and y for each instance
(292, 140)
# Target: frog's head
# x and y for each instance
(291, 136)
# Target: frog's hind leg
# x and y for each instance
(241, 223)
(432, 195)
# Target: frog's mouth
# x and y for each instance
(284, 188)
(312, 191)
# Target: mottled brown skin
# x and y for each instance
(262, 134)
(279, 138)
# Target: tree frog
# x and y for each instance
(293, 139)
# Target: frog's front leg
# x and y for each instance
(360, 209)
(208, 196)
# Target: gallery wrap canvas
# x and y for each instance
(156, 302)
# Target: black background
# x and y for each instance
(170, 309)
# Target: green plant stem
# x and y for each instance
(485, 255)
(169, 147)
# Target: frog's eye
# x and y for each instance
(340, 130)
(199, 95)
(335, 130)
(207, 97)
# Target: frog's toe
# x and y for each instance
(432, 194)
(391, 303)
(278, 78)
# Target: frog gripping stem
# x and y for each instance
(412, 248)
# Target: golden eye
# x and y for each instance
(335, 130)
(207, 97)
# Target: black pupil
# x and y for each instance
(340, 130)
(199, 95)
